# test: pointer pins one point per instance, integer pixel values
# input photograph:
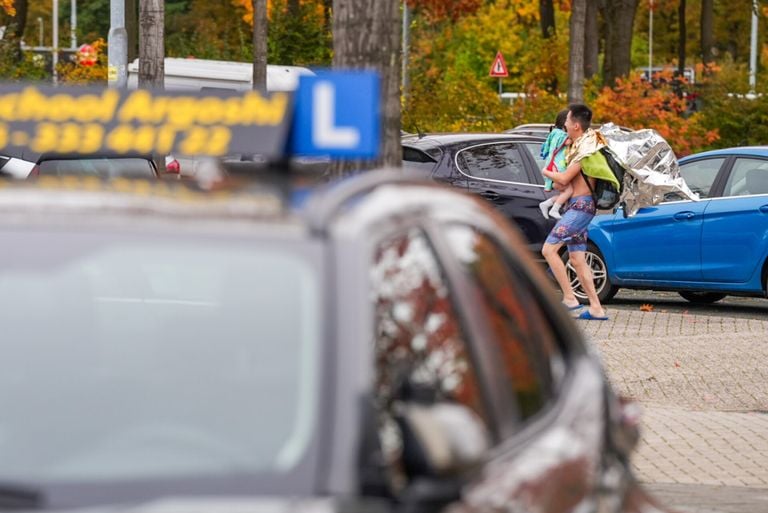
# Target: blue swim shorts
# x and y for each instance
(571, 229)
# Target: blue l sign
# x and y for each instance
(337, 114)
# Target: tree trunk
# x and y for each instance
(131, 29)
(547, 16)
(619, 18)
(576, 54)
(681, 32)
(16, 26)
(18, 23)
(707, 37)
(260, 44)
(151, 43)
(366, 35)
(591, 40)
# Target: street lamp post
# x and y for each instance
(55, 42)
(650, 41)
(117, 46)
(753, 49)
(73, 24)
(406, 45)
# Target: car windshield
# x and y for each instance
(131, 167)
(155, 356)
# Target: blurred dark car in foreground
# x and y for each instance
(706, 249)
(389, 346)
(504, 169)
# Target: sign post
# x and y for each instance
(499, 69)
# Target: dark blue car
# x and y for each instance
(706, 249)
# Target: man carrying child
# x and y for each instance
(571, 229)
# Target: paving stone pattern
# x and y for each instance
(703, 385)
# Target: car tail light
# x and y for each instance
(35, 171)
(173, 167)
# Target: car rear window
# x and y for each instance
(417, 159)
(130, 167)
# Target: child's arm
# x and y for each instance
(566, 176)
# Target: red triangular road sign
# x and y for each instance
(499, 67)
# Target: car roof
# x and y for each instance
(449, 139)
(756, 151)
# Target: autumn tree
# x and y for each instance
(619, 16)
(681, 34)
(576, 53)
(439, 10)
(591, 39)
(547, 18)
(299, 30)
(13, 15)
(259, 44)
(707, 40)
(151, 43)
(366, 35)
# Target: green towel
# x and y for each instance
(595, 166)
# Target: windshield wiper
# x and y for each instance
(19, 496)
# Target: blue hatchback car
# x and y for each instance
(706, 249)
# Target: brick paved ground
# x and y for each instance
(703, 384)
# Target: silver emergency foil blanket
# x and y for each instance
(652, 169)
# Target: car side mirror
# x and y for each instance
(440, 442)
(441, 439)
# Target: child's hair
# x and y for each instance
(560, 119)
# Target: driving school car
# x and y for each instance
(388, 345)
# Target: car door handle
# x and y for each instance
(684, 216)
(490, 195)
(764, 209)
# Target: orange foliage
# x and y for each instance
(439, 10)
(638, 104)
(248, 6)
(7, 6)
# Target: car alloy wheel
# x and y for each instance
(605, 290)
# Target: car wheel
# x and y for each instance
(702, 297)
(603, 286)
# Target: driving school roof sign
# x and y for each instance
(213, 123)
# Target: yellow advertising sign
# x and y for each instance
(85, 120)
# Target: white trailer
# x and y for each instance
(200, 74)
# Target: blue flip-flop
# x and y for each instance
(586, 316)
(573, 308)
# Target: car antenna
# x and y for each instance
(419, 133)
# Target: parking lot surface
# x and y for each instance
(702, 381)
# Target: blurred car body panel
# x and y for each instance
(389, 345)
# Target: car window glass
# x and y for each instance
(99, 167)
(184, 342)
(493, 162)
(533, 362)
(419, 341)
(748, 177)
(535, 150)
(699, 175)
(416, 159)
(420, 348)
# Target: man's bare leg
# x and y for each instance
(551, 255)
(579, 262)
